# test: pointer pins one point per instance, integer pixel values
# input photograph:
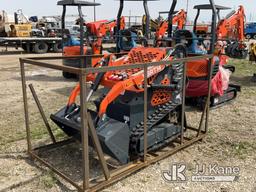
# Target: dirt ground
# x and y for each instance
(230, 142)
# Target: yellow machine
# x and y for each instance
(19, 27)
(252, 58)
(21, 30)
(252, 52)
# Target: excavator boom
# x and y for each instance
(233, 25)
(179, 19)
(232, 28)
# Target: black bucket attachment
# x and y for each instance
(70, 126)
(114, 136)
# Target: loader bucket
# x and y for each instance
(113, 135)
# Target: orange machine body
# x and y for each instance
(198, 68)
(93, 27)
(73, 50)
(134, 78)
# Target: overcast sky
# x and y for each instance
(108, 8)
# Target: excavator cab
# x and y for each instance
(204, 29)
(194, 44)
(198, 71)
(195, 40)
(72, 49)
(126, 38)
(230, 30)
(222, 90)
(178, 23)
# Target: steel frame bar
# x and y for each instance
(84, 131)
(128, 170)
(87, 125)
(70, 57)
(25, 101)
(78, 71)
(55, 145)
(183, 103)
(65, 177)
(40, 108)
(145, 112)
(98, 146)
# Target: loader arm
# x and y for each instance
(132, 82)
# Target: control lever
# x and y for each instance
(98, 78)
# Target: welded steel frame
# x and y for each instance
(123, 171)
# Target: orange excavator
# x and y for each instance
(203, 30)
(96, 31)
(100, 30)
(231, 29)
(179, 19)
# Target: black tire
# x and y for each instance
(237, 52)
(40, 47)
(248, 36)
(57, 47)
(253, 79)
(67, 75)
(180, 51)
(24, 47)
(71, 63)
(229, 49)
(230, 68)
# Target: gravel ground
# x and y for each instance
(230, 142)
